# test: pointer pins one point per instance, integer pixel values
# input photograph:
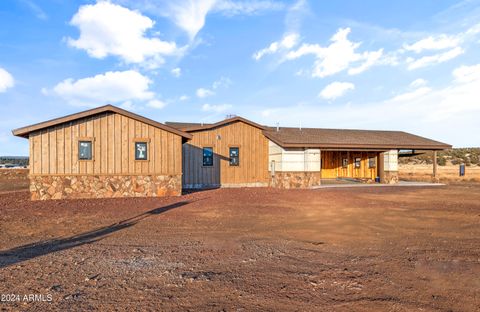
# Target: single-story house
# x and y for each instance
(104, 152)
(110, 152)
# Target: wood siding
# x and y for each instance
(54, 151)
(332, 166)
(253, 151)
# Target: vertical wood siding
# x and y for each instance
(55, 150)
(332, 165)
(253, 151)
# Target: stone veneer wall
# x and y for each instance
(104, 186)
(287, 180)
(390, 177)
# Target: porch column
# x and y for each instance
(435, 169)
(381, 167)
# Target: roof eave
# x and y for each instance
(223, 122)
(25, 131)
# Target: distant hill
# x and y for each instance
(454, 156)
(16, 160)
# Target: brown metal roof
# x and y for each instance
(191, 127)
(25, 131)
(185, 125)
(351, 139)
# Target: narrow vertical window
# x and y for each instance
(141, 151)
(208, 156)
(372, 162)
(85, 150)
(345, 163)
(358, 161)
(234, 156)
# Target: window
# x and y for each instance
(234, 156)
(345, 163)
(208, 156)
(141, 150)
(85, 150)
(372, 162)
(358, 161)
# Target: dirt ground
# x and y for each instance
(352, 249)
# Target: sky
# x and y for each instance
(389, 65)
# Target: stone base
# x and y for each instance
(390, 177)
(288, 180)
(104, 186)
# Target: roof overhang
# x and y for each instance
(222, 123)
(25, 131)
(359, 147)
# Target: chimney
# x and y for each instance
(278, 126)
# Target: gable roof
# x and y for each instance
(25, 131)
(192, 127)
(351, 139)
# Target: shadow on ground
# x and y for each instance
(41, 248)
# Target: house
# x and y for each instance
(237, 152)
(104, 152)
(110, 152)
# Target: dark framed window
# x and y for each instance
(208, 156)
(141, 151)
(345, 163)
(234, 155)
(372, 162)
(358, 162)
(85, 150)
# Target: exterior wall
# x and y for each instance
(104, 186)
(332, 165)
(253, 152)
(55, 150)
(390, 165)
(288, 179)
(56, 171)
(294, 159)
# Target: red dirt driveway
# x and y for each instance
(358, 249)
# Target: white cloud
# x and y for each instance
(440, 42)
(287, 42)
(223, 82)
(190, 15)
(184, 97)
(156, 104)
(176, 72)
(228, 7)
(418, 83)
(110, 29)
(203, 93)
(467, 73)
(336, 89)
(340, 55)
(446, 114)
(434, 59)
(216, 108)
(39, 13)
(6, 80)
(111, 87)
(408, 96)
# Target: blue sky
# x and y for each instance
(408, 65)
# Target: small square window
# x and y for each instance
(85, 150)
(358, 162)
(234, 156)
(345, 163)
(208, 156)
(372, 162)
(141, 150)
